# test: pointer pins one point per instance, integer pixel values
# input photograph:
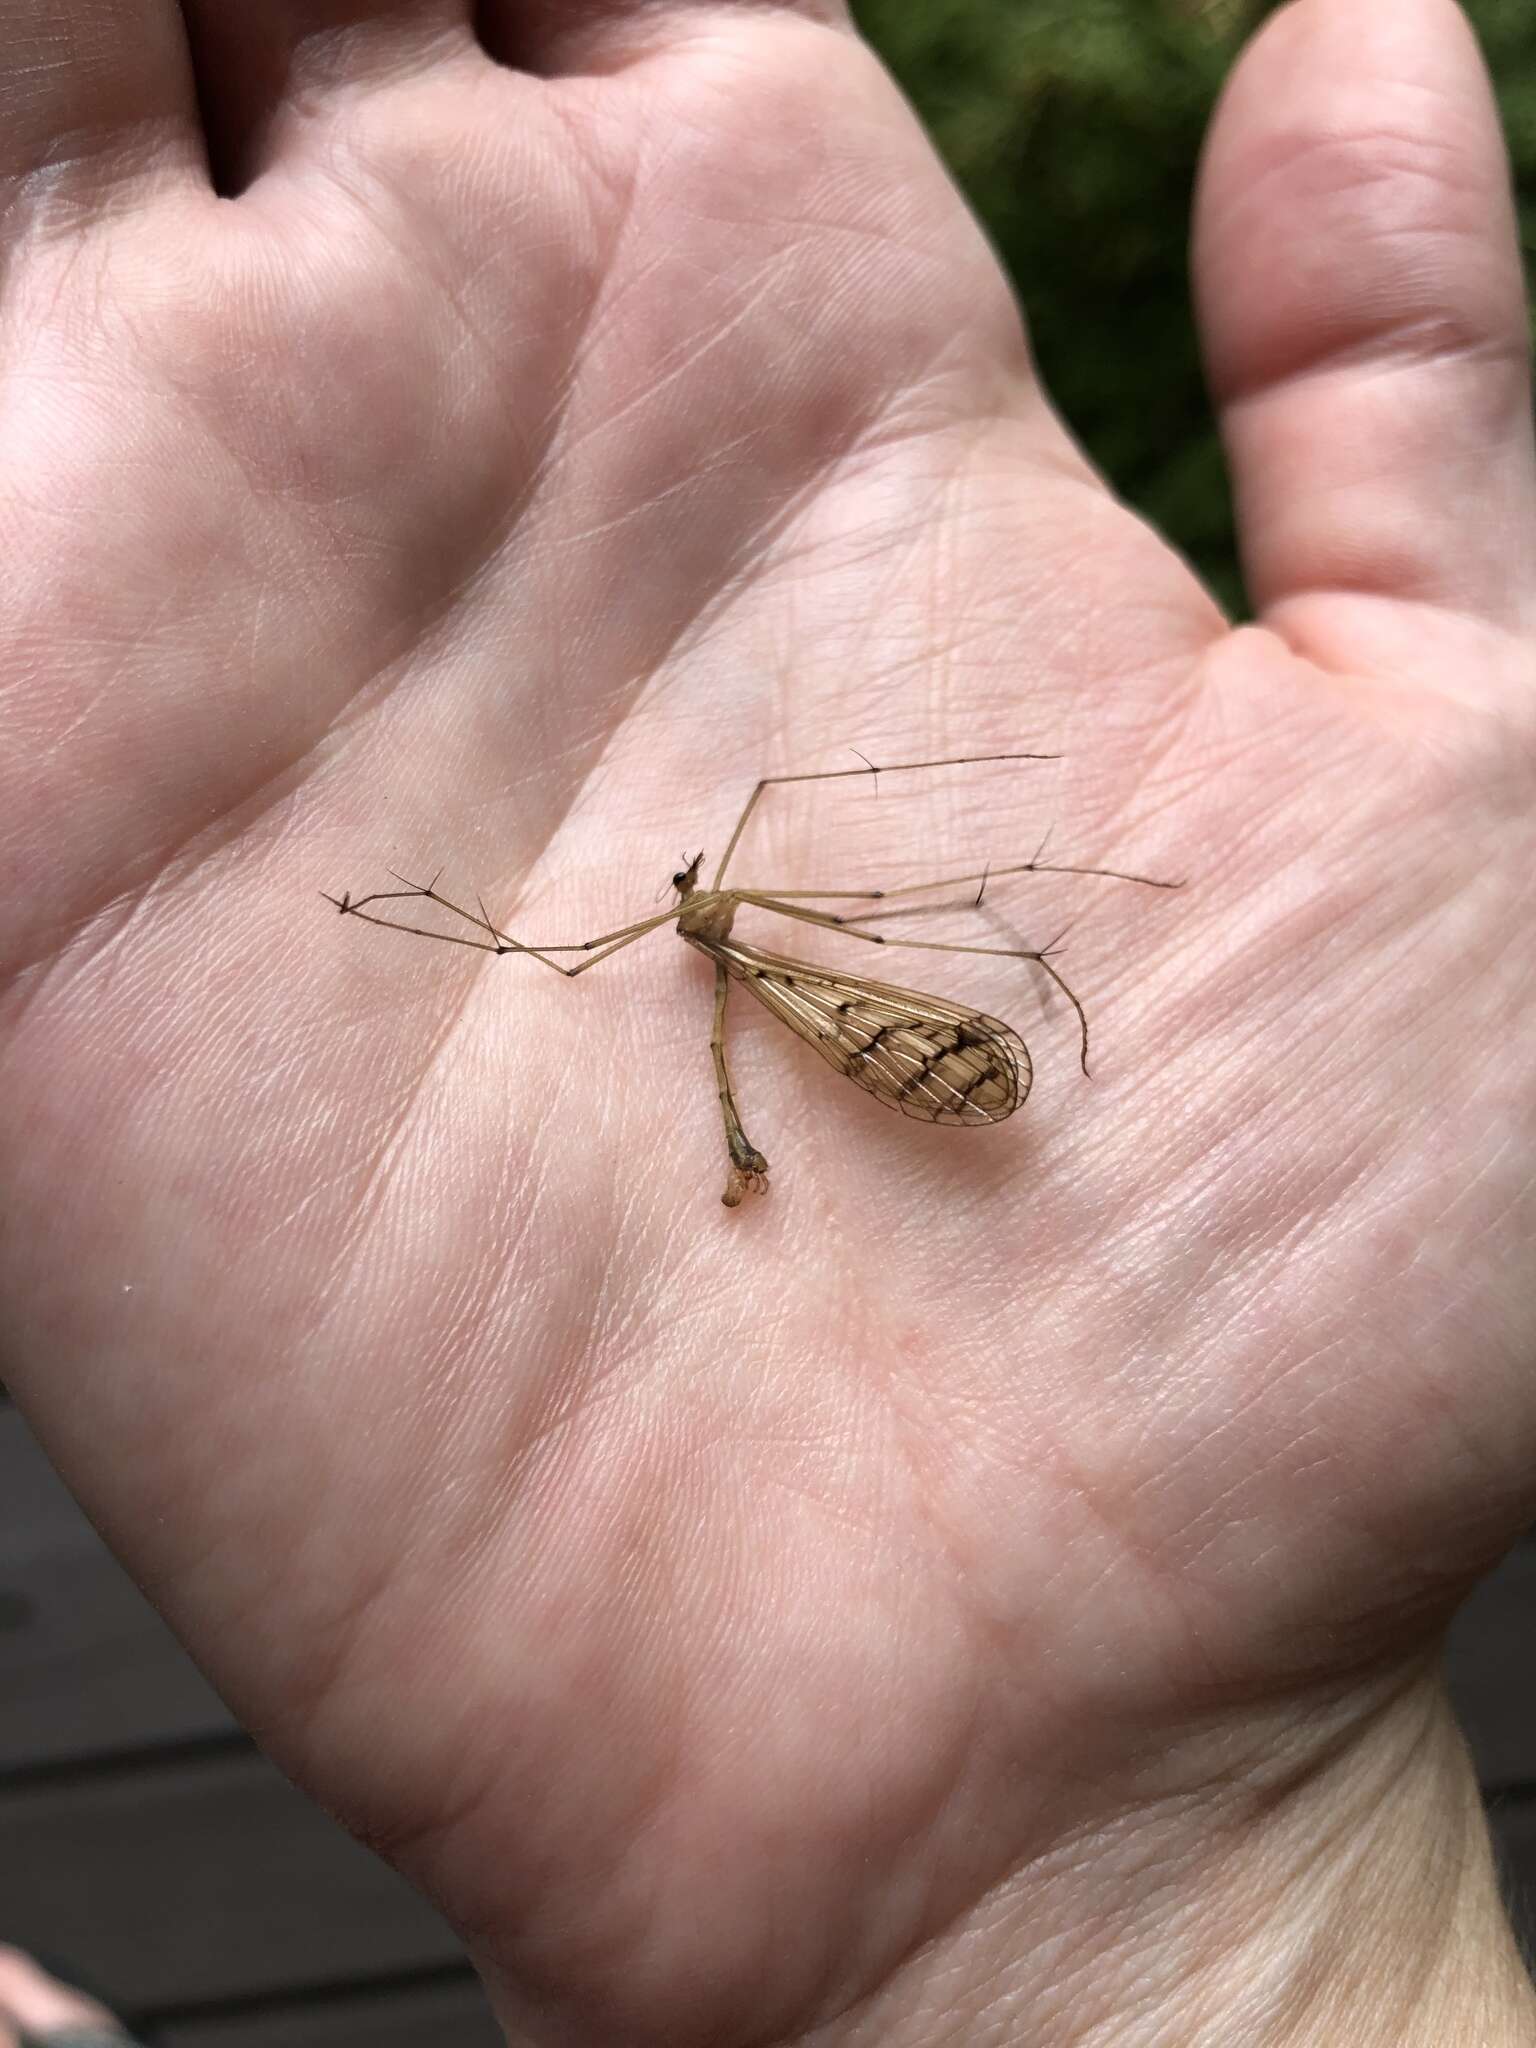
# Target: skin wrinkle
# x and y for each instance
(1097, 1944)
(1329, 1825)
(739, 584)
(81, 722)
(204, 842)
(711, 614)
(414, 1848)
(615, 1846)
(315, 1677)
(1407, 160)
(379, 202)
(1171, 1553)
(838, 454)
(333, 63)
(911, 665)
(375, 1187)
(281, 785)
(596, 307)
(1435, 341)
(691, 355)
(1073, 1856)
(1257, 1393)
(1373, 336)
(624, 37)
(558, 1415)
(939, 1799)
(1302, 613)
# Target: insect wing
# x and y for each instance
(931, 1059)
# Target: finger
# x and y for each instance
(1359, 281)
(292, 60)
(42, 2006)
(553, 37)
(95, 96)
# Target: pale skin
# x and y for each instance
(988, 1590)
(32, 2000)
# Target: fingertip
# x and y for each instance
(1362, 305)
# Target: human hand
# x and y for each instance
(995, 1578)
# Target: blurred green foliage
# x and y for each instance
(1074, 127)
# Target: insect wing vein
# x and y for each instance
(930, 1059)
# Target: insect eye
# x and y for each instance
(679, 881)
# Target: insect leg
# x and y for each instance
(1025, 867)
(748, 1170)
(983, 875)
(841, 774)
(495, 940)
(614, 943)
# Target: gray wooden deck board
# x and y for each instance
(203, 1879)
(86, 1665)
(451, 2016)
(1491, 1659)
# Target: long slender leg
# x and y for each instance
(961, 903)
(1028, 867)
(495, 941)
(1023, 867)
(840, 774)
(504, 941)
(748, 1170)
(1041, 955)
(606, 952)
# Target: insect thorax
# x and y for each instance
(708, 915)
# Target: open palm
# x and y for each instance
(711, 1609)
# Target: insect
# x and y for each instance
(930, 1058)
